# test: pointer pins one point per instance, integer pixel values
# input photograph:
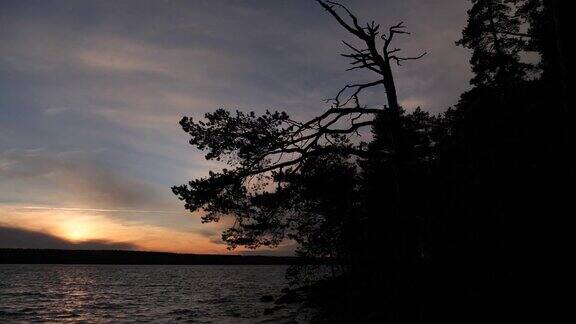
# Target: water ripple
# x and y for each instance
(114, 293)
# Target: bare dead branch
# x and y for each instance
(399, 59)
(356, 30)
(374, 58)
(358, 88)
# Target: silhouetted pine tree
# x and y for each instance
(493, 35)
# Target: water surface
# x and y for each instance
(158, 293)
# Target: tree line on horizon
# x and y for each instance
(435, 216)
(125, 257)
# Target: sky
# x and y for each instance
(91, 93)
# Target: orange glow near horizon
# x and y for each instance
(80, 226)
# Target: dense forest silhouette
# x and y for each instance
(436, 217)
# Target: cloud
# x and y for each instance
(119, 63)
(101, 210)
(55, 110)
(12, 237)
(77, 178)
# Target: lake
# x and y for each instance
(137, 293)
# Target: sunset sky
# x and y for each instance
(91, 93)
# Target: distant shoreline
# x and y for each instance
(121, 257)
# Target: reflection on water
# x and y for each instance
(195, 293)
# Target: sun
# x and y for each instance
(77, 231)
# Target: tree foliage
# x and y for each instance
(493, 34)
